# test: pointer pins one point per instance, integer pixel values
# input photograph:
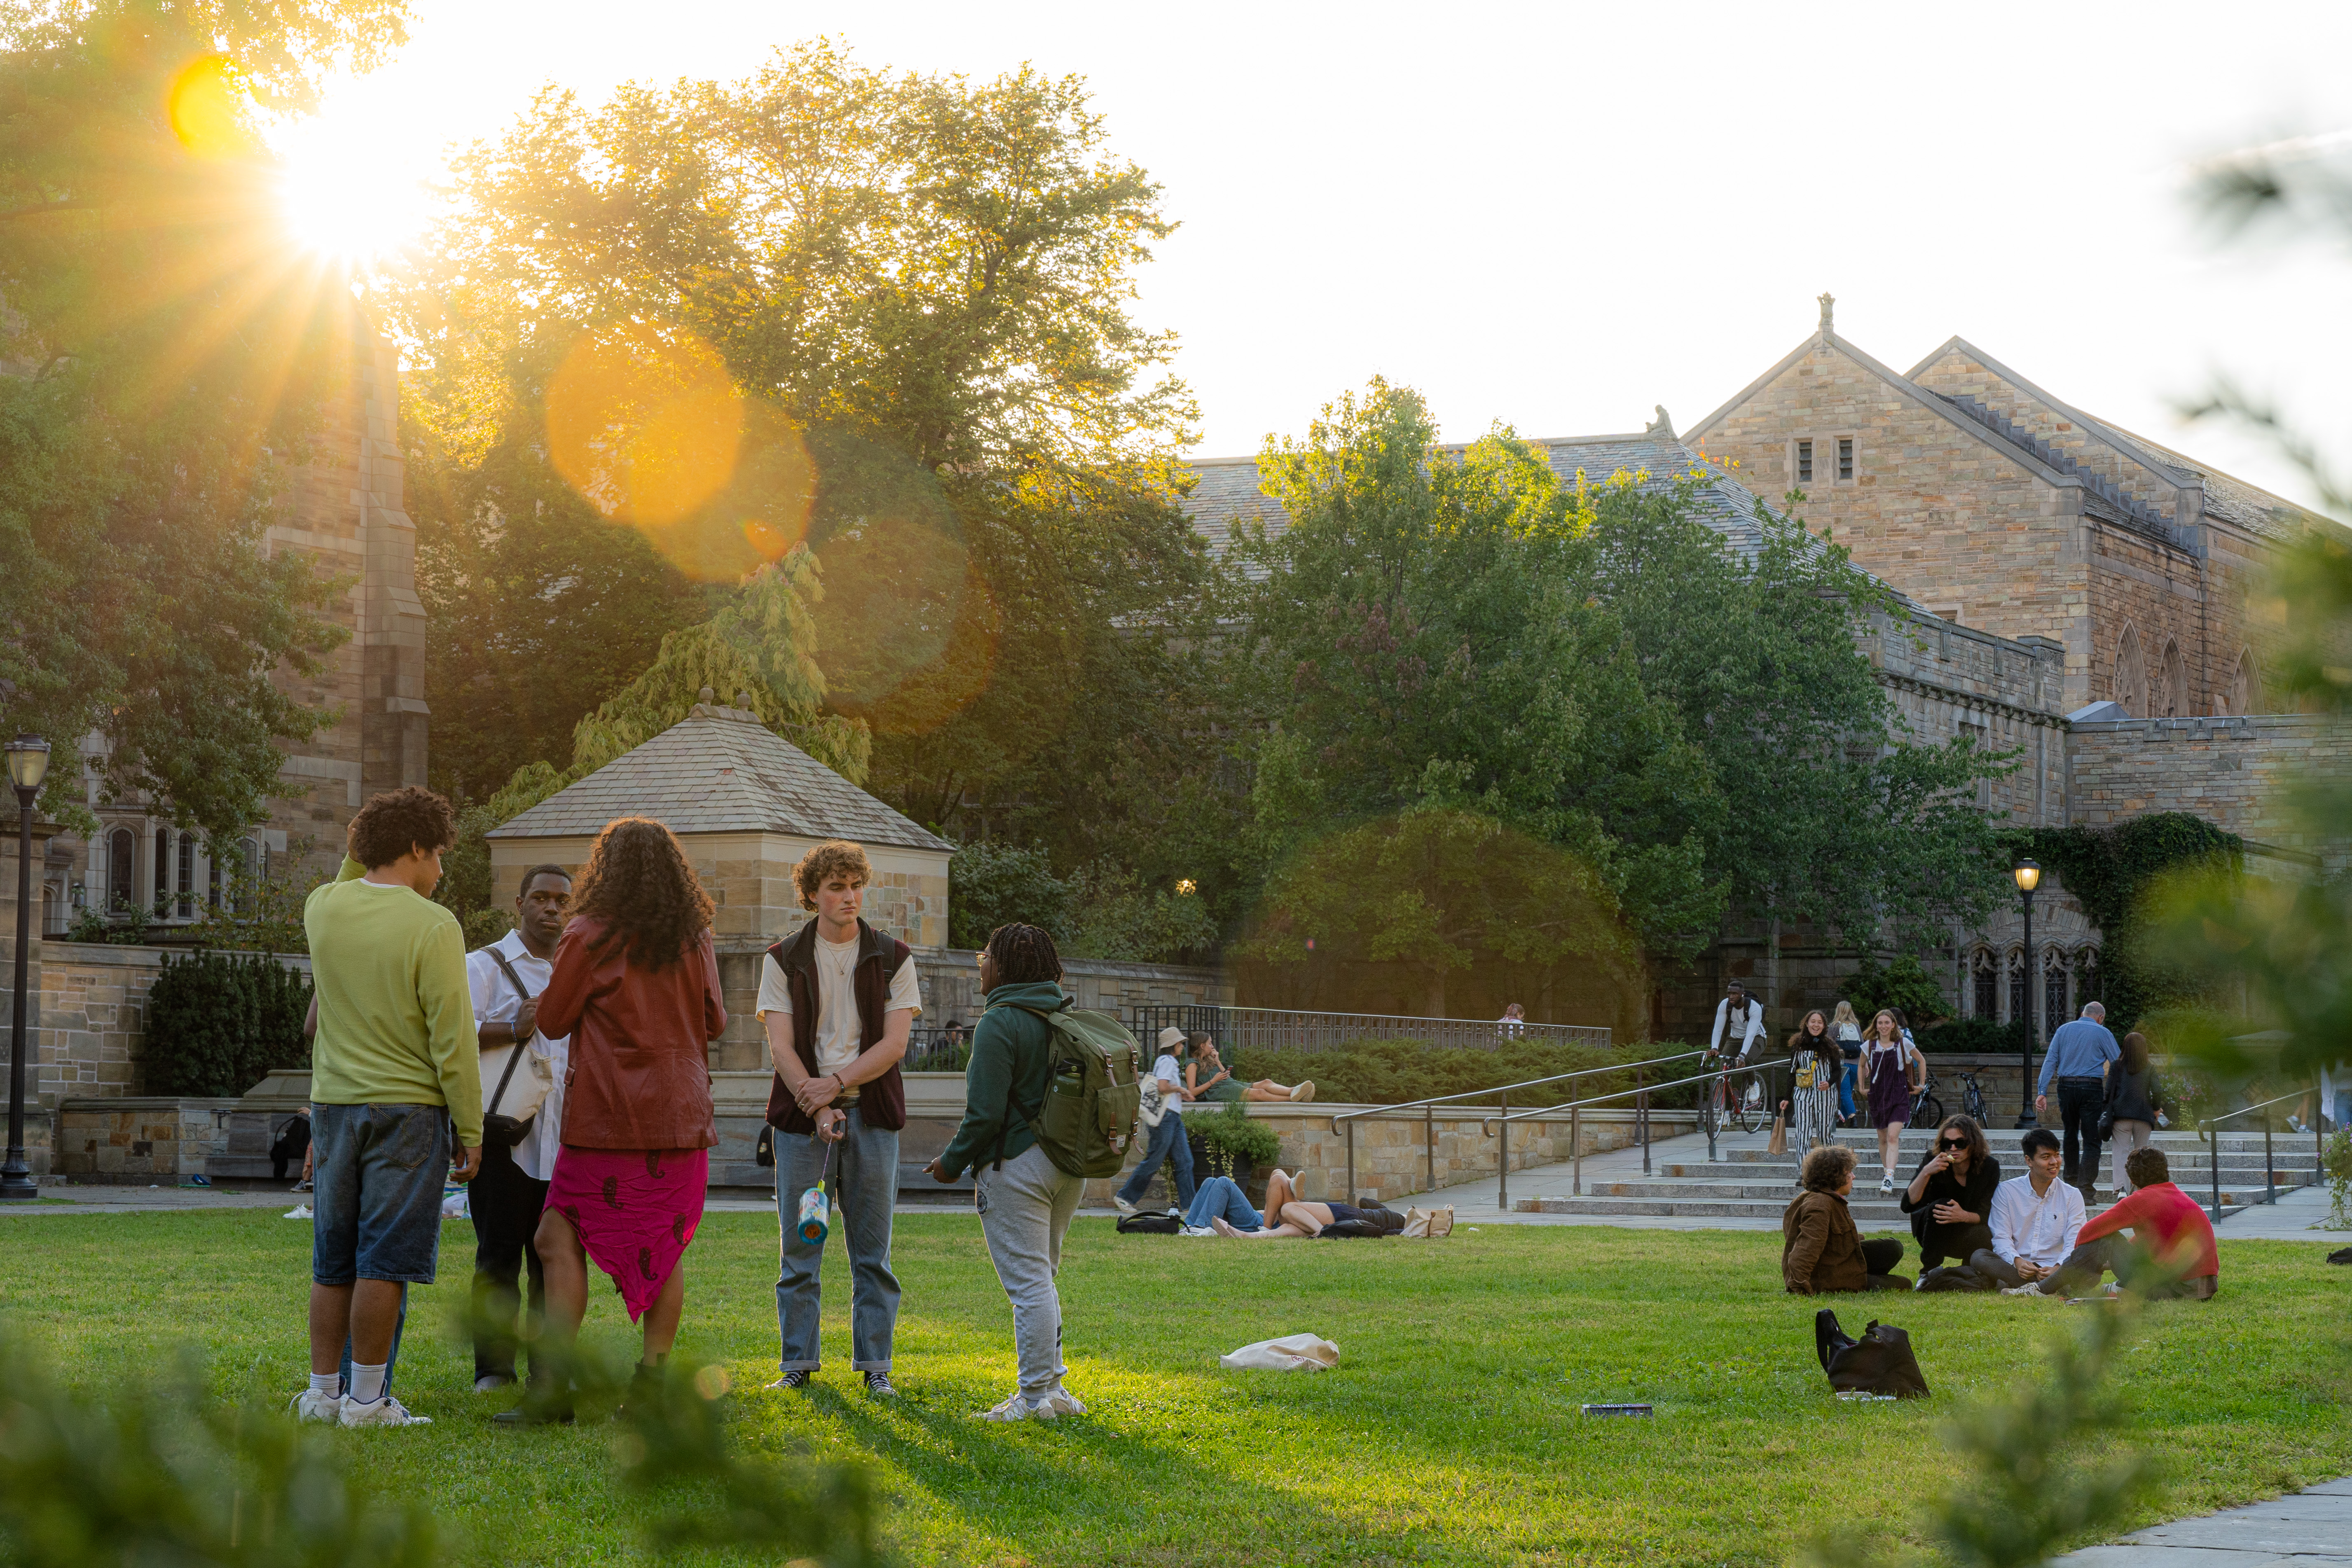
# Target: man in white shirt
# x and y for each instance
(506, 978)
(1167, 1140)
(2035, 1218)
(838, 1000)
(1739, 1023)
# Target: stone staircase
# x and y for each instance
(1748, 1183)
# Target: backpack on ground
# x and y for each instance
(1148, 1224)
(1094, 1094)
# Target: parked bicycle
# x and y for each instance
(1927, 1111)
(1972, 1099)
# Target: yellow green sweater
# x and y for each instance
(395, 1016)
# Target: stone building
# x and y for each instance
(2062, 590)
(345, 515)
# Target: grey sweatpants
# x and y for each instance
(1025, 1212)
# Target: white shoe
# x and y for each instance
(492, 1384)
(1198, 1230)
(313, 1405)
(384, 1412)
(1887, 1187)
(1061, 1402)
(1014, 1409)
(1304, 1092)
(1121, 1205)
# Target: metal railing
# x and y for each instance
(1302, 1029)
(1346, 1120)
(2209, 1130)
(1718, 1081)
(937, 1050)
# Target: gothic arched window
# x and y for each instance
(2171, 698)
(2054, 1010)
(2245, 694)
(2131, 674)
(1986, 978)
(121, 846)
(2020, 998)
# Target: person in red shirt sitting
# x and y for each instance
(2171, 1252)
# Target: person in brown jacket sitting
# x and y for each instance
(1819, 1248)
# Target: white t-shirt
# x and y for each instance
(495, 1001)
(838, 1037)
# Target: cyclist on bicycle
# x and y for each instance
(1738, 1024)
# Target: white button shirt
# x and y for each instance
(2040, 1228)
(495, 1001)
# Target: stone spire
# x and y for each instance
(1829, 307)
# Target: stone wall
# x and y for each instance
(2234, 773)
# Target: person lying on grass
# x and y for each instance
(1221, 1197)
(1298, 1218)
(1820, 1247)
(1207, 1077)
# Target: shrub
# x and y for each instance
(1389, 1072)
(1232, 1130)
(1984, 1036)
(220, 1023)
(1903, 983)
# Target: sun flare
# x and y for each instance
(344, 201)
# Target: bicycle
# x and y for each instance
(1927, 1111)
(1749, 1112)
(1972, 1099)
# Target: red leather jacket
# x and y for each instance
(640, 1074)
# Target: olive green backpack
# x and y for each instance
(1094, 1094)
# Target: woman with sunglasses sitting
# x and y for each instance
(1950, 1196)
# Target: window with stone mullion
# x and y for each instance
(2054, 1010)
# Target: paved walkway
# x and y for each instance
(2308, 1530)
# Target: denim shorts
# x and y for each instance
(379, 1175)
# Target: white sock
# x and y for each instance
(330, 1383)
(367, 1383)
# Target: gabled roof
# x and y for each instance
(721, 769)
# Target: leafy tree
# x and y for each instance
(171, 355)
(897, 308)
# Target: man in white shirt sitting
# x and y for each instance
(506, 978)
(2035, 1218)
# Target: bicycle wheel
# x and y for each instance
(1928, 1112)
(1751, 1111)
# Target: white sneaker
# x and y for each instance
(1198, 1230)
(1014, 1409)
(1061, 1402)
(1121, 1205)
(492, 1384)
(313, 1405)
(384, 1412)
(1887, 1187)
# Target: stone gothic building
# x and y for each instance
(346, 515)
(2064, 590)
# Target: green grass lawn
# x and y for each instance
(1450, 1434)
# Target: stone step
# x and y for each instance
(2185, 1168)
(1872, 1215)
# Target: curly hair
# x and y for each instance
(392, 824)
(834, 857)
(2147, 1167)
(1827, 1167)
(639, 883)
(1024, 954)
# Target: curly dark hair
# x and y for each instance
(1826, 1168)
(392, 824)
(2147, 1167)
(1024, 954)
(637, 882)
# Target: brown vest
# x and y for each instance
(882, 1102)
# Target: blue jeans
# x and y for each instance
(1167, 1142)
(1220, 1198)
(378, 1174)
(863, 1186)
(1845, 1091)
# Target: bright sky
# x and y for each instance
(1559, 216)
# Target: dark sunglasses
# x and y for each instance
(1953, 1144)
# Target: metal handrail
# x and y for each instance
(2210, 1131)
(1428, 1108)
(1575, 1110)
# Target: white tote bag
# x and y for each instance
(1293, 1353)
(527, 1091)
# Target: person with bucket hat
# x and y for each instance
(1168, 1133)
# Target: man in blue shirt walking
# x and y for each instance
(2078, 1059)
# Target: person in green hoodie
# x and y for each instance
(1025, 1200)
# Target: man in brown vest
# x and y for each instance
(837, 1000)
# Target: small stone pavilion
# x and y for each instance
(747, 804)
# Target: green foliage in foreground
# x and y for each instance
(1449, 1435)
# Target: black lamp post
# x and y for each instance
(28, 764)
(2029, 877)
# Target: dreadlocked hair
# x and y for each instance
(639, 883)
(1024, 955)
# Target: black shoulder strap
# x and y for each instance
(505, 1078)
(512, 978)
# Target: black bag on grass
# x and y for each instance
(1879, 1362)
(1377, 1220)
(1150, 1223)
(1956, 1277)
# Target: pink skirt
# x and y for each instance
(635, 1210)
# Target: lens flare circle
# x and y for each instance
(208, 108)
(644, 424)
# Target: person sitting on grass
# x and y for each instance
(1950, 1195)
(1207, 1077)
(1221, 1197)
(1820, 1250)
(1297, 1218)
(2169, 1253)
(2035, 1217)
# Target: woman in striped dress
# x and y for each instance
(1814, 1063)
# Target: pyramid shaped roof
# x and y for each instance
(721, 769)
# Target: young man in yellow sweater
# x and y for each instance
(394, 1065)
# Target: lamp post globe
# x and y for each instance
(2028, 876)
(28, 765)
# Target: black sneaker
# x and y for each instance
(877, 1386)
(796, 1378)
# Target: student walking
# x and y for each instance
(838, 1001)
(1813, 1062)
(1167, 1140)
(1847, 1028)
(2130, 1109)
(1025, 1200)
(635, 986)
(393, 1069)
(506, 980)
(2079, 1053)
(1889, 1063)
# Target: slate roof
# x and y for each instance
(722, 771)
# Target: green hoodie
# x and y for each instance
(1009, 1052)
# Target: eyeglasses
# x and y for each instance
(1953, 1144)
